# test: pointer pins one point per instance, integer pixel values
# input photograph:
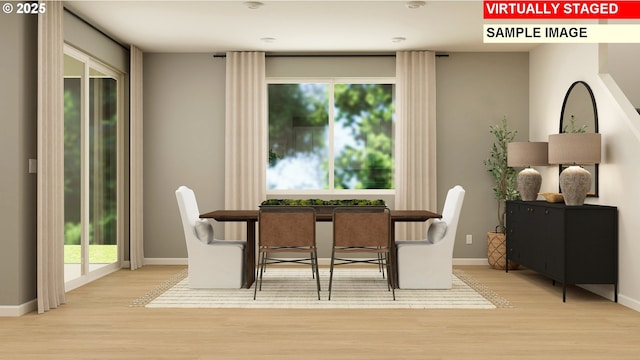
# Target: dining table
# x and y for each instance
(250, 217)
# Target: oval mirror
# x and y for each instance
(580, 114)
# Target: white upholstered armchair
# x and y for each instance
(428, 263)
(212, 263)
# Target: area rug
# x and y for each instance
(294, 288)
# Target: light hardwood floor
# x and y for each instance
(98, 323)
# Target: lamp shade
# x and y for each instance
(523, 154)
(575, 148)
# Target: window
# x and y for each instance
(330, 135)
(93, 117)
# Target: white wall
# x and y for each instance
(623, 67)
(553, 68)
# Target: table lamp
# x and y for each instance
(527, 154)
(575, 149)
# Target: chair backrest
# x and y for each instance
(188, 211)
(361, 226)
(452, 209)
(281, 226)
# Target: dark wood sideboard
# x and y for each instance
(569, 244)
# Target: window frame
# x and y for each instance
(90, 62)
(332, 81)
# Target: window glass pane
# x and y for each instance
(363, 138)
(298, 130)
(74, 73)
(103, 116)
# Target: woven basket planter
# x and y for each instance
(497, 251)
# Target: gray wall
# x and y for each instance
(474, 91)
(82, 36)
(183, 143)
(18, 96)
(184, 138)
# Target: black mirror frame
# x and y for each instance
(595, 120)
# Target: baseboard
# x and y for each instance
(321, 261)
(19, 310)
(471, 261)
(606, 291)
(629, 302)
(165, 261)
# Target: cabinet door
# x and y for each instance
(550, 233)
(542, 247)
(535, 243)
(514, 232)
(592, 246)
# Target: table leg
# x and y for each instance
(250, 255)
(393, 256)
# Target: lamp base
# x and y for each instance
(575, 183)
(528, 184)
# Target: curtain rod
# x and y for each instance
(327, 55)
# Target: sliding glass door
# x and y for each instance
(92, 96)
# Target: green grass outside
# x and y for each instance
(98, 254)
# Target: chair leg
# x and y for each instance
(314, 265)
(386, 264)
(264, 259)
(263, 266)
(390, 280)
(333, 256)
(262, 263)
(258, 280)
(317, 267)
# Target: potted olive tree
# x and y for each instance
(504, 188)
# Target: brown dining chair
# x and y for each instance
(361, 230)
(286, 229)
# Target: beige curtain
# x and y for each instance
(136, 234)
(50, 188)
(245, 135)
(415, 157)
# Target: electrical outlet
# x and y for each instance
(469, 239)
(33, 166)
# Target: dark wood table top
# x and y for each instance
(252, 215)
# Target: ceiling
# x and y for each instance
(291, 26)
